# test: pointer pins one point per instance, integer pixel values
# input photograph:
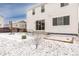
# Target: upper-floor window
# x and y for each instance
(33, 12)
(61, 20)
(42, 8)
(64, 4)
(16, 25)
(0, 24)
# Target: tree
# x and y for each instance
(10, 24)
(38, 35)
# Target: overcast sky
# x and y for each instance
(13, 11)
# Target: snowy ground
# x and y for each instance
(13, 45)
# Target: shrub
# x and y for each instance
(23, 36)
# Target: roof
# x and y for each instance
(35, 6)
(21, 20)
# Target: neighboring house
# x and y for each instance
(1, 22)
(54, 18)
(15, 26)
(78, 28)
(3, 26)
(19, 25)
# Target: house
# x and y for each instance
(54, 18)
(1, 21)
(19, 26)
(15, 26)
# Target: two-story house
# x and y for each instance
(17, 26)
(54, 18)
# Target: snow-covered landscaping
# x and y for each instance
(14, 45)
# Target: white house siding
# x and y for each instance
(1, 21)
(53, 10)
(19, 24)
(78, 19)
(31, 19)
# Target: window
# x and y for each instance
(54, 21)
(43, 25)
(36, 25)
(0, 24)
(16, 25)
(64, 4)
(33, 12)
(66, 20)
(42, 8)
(40, 25)
(61, 20)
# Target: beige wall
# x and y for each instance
(51, 11)
(1, 21)
(19, 25)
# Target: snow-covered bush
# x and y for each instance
(23, 36)
(38, 35)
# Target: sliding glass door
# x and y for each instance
(40, 25)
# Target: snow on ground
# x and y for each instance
(13, 45)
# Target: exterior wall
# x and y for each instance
(78, 19)
(71, 10)
(19, 24)
(22, 25)
(51, 11)
(1, 22)
(31, 19)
